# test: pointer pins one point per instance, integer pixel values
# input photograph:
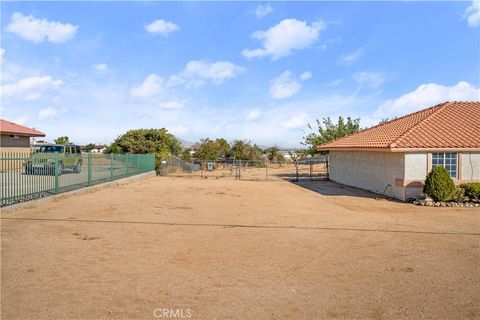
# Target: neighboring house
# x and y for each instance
(99, 149)
(16, 138)
(393, 158)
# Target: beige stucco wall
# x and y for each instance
(470, 166)
(416, 166)
(416, 169)
(373, 171)
(404, 172)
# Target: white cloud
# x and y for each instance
(334, 83)
(2, 51)
(195, 74)
(285, 85)
(288, 35)
(30, 88)
(151, 86)
(351, 57)
(305, 76)
(427, 95)
(172, 104)
(179, 130)
(217, 72)
(472, 13)
(161, 27)
(368, 79)
(47, 113)
(253, 114)
(262, 10)
(38, 30)
(100, 66)
(296, 121)
(20, 120)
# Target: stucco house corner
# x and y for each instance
(393, 158)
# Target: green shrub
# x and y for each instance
(438, 185)
(472, 190)
(459, 194)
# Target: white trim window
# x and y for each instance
(448, 160)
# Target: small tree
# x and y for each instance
(157, 141)
(438, 185)
(244, 150)
(89, 147)
(330, 131)
(274, 154)
(223, 146)
(254, 153)
(240, 149)
(62, 140)
(208, 150)
(186, 155)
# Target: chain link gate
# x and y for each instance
(252, 170)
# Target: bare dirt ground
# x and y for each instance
(225, 249)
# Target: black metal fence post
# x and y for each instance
(266, 169)
(239, 169)
(296, 170)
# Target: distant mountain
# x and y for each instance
(186, 144)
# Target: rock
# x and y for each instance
(429, 204)
(437, 204)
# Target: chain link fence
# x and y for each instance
(254, 170)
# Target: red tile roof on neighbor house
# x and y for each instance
(7, 127)
(449, 125)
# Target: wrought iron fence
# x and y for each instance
(27, 176)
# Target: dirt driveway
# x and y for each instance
(225, 249)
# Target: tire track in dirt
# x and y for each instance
(460, 277)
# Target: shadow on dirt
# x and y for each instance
(330, 188)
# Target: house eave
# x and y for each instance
(23, 134)
(433, 149)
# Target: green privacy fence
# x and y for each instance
(28, 176)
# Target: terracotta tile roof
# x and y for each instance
(7, 127)
(449, 125)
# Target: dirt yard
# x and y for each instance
(226, 249)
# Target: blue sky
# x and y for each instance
(251, 70)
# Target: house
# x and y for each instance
(15, 137)
(99, 149)
(393, 158)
